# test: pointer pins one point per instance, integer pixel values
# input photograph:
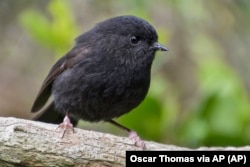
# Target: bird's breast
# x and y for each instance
(97, 95)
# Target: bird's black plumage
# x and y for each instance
(105, 75)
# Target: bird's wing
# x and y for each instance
(66, 62)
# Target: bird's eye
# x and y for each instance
(134, 40)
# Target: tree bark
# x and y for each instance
(31, 143)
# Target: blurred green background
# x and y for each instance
(199, 94)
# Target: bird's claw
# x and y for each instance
(66, 124)
(138, 142)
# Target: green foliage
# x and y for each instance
(222, 114)
(57, 33)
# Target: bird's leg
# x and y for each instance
(132, 134)
(66, 124)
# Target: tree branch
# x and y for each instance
(30, 143)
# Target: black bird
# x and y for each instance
(105, 75)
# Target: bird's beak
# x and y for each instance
(157, 46)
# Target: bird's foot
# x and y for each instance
(66, 124)
(132, 134)
(138, 142)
